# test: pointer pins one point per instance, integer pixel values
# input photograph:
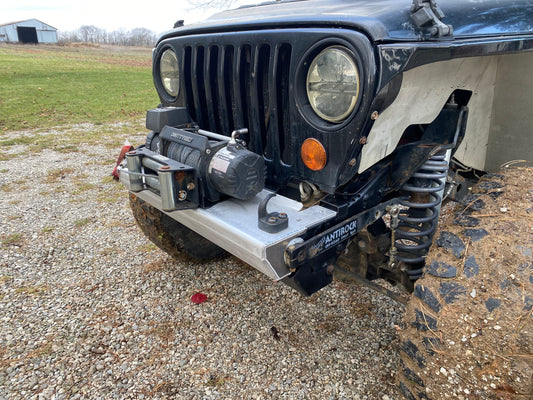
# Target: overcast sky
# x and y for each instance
(67, 15)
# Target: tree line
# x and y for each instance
(136, 36)
(122, 37)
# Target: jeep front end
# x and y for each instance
(317, 135)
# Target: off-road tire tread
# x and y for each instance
(454, 284)
(180, 242)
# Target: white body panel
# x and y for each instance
(500, 109)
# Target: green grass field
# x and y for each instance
(45, 86)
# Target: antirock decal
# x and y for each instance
(336, 237)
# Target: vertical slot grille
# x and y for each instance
(210, 82)
(226, 90)
(282, 92)
(232, 86)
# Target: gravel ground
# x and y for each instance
(89, 309)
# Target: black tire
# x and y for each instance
(169, 235)
(468, 328)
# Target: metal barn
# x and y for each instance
(28, 31)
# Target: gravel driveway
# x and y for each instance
(90, 309)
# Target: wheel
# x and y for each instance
(171, 236)
(468, 328)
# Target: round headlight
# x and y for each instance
(169, 72)
(333, 84)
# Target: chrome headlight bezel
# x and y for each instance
(333, 77)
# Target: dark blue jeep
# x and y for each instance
(313, 138)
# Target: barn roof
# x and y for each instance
(24, 20)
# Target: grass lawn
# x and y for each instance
(43, 86)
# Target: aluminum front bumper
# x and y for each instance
(233, 225)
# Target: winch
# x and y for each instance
(192, 168)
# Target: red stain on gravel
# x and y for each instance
(198, 298)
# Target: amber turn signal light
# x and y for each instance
(313, 154)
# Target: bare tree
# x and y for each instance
(142, 37)
(69, 36)
(92, 34)
(119, 37)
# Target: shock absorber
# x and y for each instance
(417, 221)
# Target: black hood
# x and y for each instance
(381, 20)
